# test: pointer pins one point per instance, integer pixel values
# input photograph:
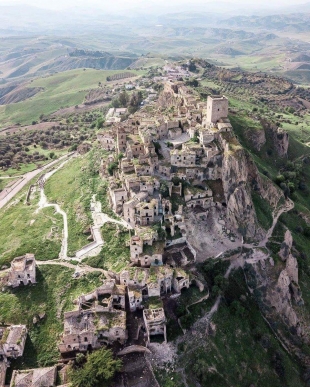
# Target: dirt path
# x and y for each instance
(197, 302)
(80, 108)
(289, 205)
(78, 268)
(43, 203)
(238, 260)
(99, 219)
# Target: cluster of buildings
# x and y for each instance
(13, 337)
(164, 160)
(115, 115)
(100, 317)
(12, 345)
(163, 150)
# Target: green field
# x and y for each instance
(73, 196)
(72, 188)
(60, 90)
(23, 230)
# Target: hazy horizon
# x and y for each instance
(119, 4)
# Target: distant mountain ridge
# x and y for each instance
(50, 57)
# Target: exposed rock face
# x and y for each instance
(280, 286)
(241, 214)
(281, 141)
(206, 234)
(238, 174)
(279, 137)
(256, 137)
(286, 246)
(280, 298)
(169, 97)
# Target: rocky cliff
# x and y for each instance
(278, 137)
(240, 177)
(276, 286)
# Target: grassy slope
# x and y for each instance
(60, 90)
(66, 188)
(22, 230)
(53, 294)
(114, 255)
(240, 350)
(72, 188)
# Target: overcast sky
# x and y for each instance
(61, 4)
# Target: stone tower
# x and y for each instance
(217, 108)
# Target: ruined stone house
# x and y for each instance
(107, 140)
(155, 322)
(37, 377)
(23, 271)
(12, 345)
(92, 328)
(108, 295)
(13, 341)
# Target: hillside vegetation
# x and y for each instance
(58, 91)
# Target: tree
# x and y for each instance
(100, 122)
(52, 155)
(98, 370)
(112, 167)
(123, 99)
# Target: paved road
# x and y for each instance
(6, 197)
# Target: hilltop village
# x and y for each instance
(170, 169)
(163, 157)
(158, 168)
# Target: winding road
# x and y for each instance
(6, 196)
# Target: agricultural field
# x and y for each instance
(59, 91)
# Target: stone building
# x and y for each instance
(206, 136)
(13, 341)
(183, 158)
(38, 377)
(108, 295)
(198, 197)
(180, 280)
(12, 345)
(3, 367)
(155, 322)
(107, 140)
(121, 140)
(135, 298)
(92, 328)
(23, 271)
(136, 248)
(118, 197)
(217, 108)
